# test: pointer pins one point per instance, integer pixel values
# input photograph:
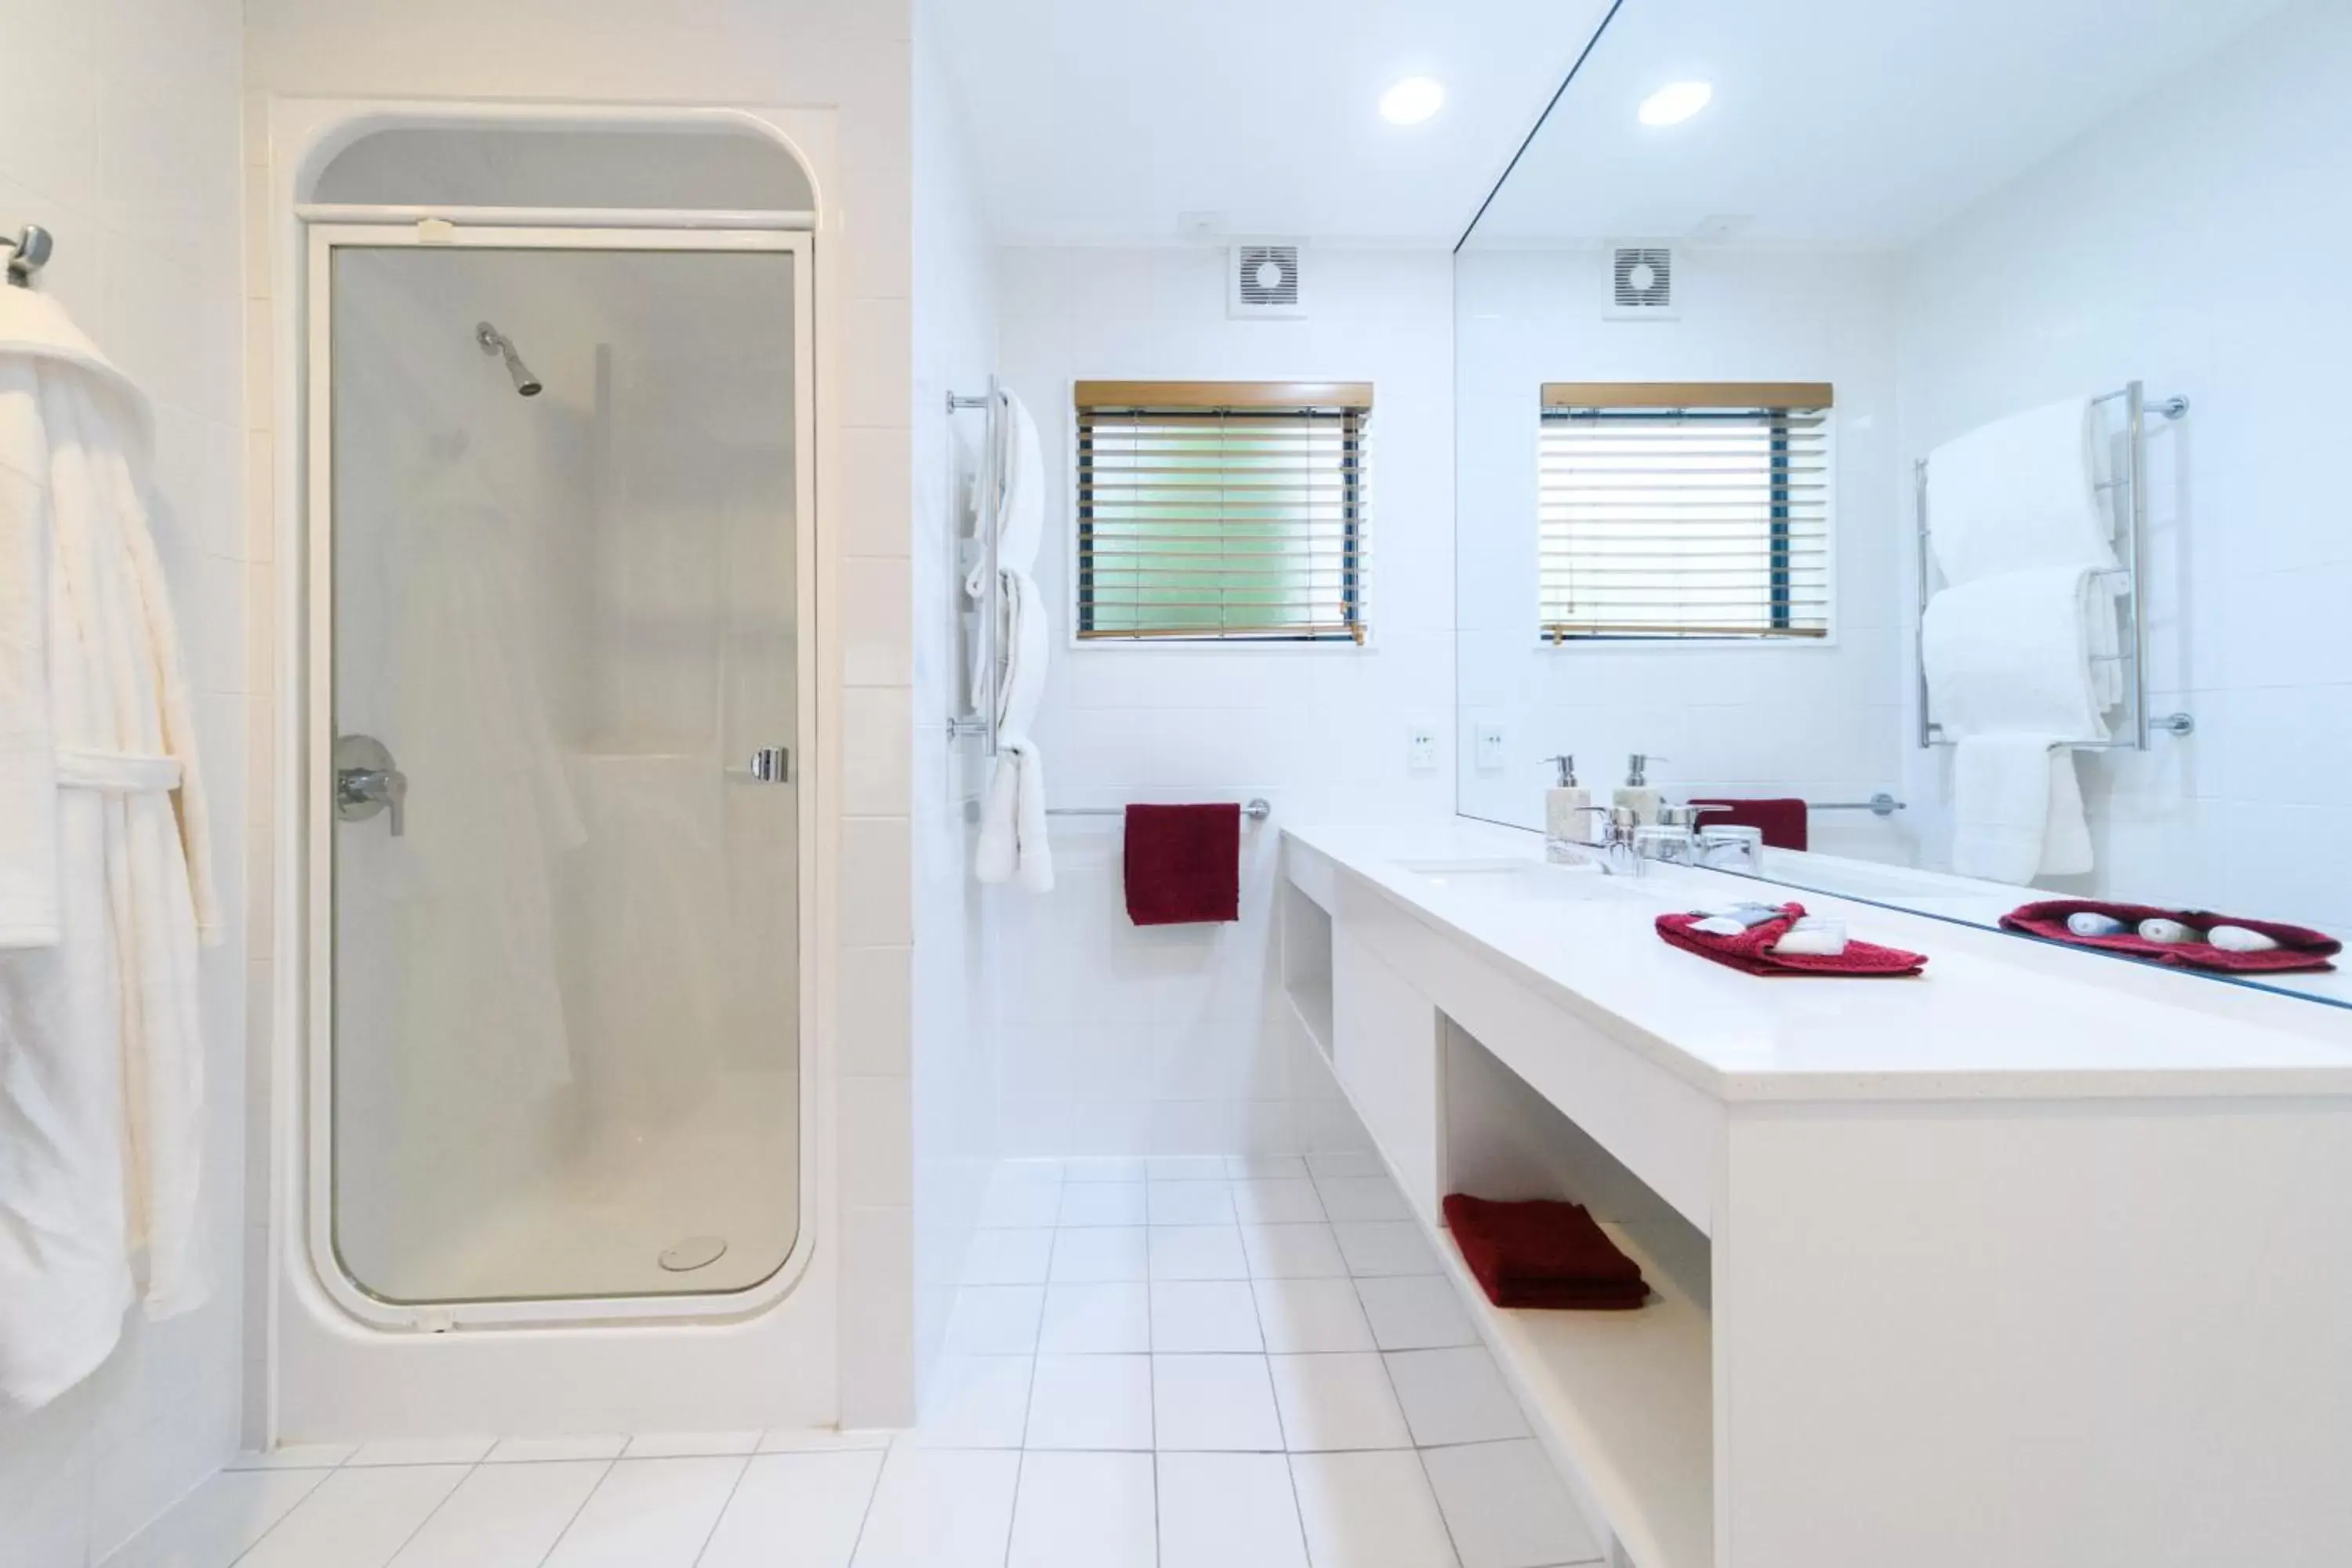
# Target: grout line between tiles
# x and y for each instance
(581, 1507)
(733, 1487)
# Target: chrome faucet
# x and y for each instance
(1619, 855)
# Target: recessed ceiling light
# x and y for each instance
(1675, 102)
(1411, 101)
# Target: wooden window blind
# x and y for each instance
(1685, 510)
(1222, 510)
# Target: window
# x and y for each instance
(1221, 511)
(1684, 511)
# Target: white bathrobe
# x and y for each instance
(105, 880)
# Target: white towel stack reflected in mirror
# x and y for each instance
(1012, 845)
(2020, 648)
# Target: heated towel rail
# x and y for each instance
(2138, 725)
(981, 691)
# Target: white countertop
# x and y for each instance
(1994, 1016)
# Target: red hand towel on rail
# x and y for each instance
(1183, 864)
(1782, 822)
(1542, 1254)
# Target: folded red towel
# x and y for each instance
(1183, 864)
(1785, 824)
(1542, 1254)
(1751, 949)
(2299, 947)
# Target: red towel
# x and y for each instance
(1783, 823)
(2298, 946)
(1543, 1254)
(1748, 951)
(1183, 864)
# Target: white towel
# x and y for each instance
(2011, 654)
(1012, 831)
(2021, 493)
(2017, 810)
(105, 884)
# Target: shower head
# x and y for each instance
(494, 342)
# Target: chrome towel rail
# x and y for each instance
(1879, 804)
(1257, 809)
(984, 682)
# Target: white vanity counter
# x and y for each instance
(2039, 1258)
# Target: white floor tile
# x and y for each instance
(1099, 1255)
(1090, 1402)
(936, 1509)
(1102, 1168)
(821, 1439)
(356, 1519)
(1018, 1198)
(421, 1451)
(1186, 1168)
(1293, 1252)
(213, 1525)
(974, 1401)
(1385, 1246)
(1009, 1256)
(1279, 1201)
(1299, 1316)
(648, 1514)
(1508, 1507)
(1228, 1510)
(1330, 1402)
(1214, 1401)
(1354, 1162)
(1416, 1312)
(540, 1450)
(1361, 1197)
(795, 1510)
(1095, 1320)
(295, 1457)
(1084, 1511)
(995, 1319)
(691, 1444)
(1195, 1316)
(1191, 1202)
(1369, 1510)
(1266, 1167)
(1103, 1203)
(1454, 1396)
(501, 1515)
(1197, 1252)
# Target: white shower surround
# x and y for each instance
(330, 1374)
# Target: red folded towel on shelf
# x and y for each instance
(2299, 947)
(1751, 949)
(1183, 864)
(1543, 1254)
(1783, 823)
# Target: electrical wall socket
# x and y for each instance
(1422, 749)
(1490, 748)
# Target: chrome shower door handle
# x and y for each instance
(367, 781)
(768, 765)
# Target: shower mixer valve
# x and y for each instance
(366, 782)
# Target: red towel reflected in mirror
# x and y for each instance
(1782, 822)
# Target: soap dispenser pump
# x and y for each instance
(1635, 795)
(1565, 805)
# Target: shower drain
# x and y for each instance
(695, 1252)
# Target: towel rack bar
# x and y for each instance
(1880, 805)
(1257, 809)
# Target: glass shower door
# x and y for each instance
(563, 558)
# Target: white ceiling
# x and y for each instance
(1864, 122)
(1100, 120)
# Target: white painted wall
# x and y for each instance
(952, 1055)
(1119, 1041)
(1748, 719)
(2191, 241)
(118, 132)
(842, 1343)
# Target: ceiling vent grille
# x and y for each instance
(1642, 283)
(1263, 282)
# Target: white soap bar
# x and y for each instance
(2237, 939)
(2170, 932)
(2089, 922)
(1719, 925)
(1815, 936)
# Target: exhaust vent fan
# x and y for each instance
(1642, 283)
(1262, 281)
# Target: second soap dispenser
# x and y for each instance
(1635, 794)
(1566, 806)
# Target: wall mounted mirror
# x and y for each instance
(1909, 425)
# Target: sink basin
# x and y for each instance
(1512, 878)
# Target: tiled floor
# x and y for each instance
(1165, 1363)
